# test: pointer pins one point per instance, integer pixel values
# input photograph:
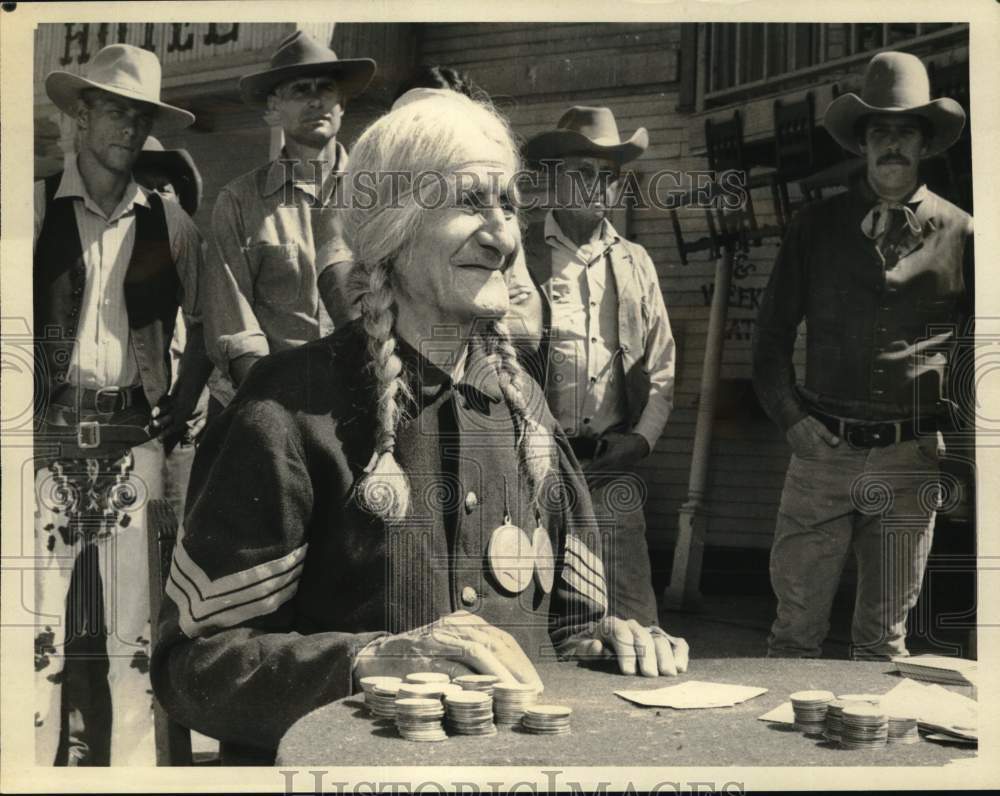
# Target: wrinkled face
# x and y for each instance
(585, 186)
(112, 129)
(453, 271)
(309, 109)
(893, 146)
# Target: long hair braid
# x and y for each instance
(534, 442)
(384, 490)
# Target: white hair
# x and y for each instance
(424, 136)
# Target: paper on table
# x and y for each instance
(783, 714)
(693, 694)
(933, 706)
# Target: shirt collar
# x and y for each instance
(871, 208)
(474, 375)
(278, 174)
(72, 186)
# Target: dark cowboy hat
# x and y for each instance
(299, 55)
(179, 166)
(895, 83)
(126, 71)
(584, 130)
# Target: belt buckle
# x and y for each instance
(88, 435)
(114, 392)
(870, 436)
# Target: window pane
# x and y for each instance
(753, 53)
(869, 36)
(901, 31)
(803, 46)
(836, 41)
(777, 49)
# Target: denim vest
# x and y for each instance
(152, 287)
(633, 314)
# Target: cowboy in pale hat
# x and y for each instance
(123, 70)
(267, 296)
(112, 265)
(607, 354)
(880, 274)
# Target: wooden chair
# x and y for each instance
(173, 741)
(725, 151)
(794, 149)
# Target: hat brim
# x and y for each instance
(352, 74)
(945, 115)
(555, 144)
(184, 175)
(64, 89)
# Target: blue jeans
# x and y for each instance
(880, 502)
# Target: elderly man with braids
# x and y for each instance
(381, 500)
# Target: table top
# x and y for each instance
(609, 731)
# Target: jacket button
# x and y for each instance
(471, 502)
(469, 596)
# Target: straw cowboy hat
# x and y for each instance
(299, 55)
(584, 130)
(179, 166)
(121, 69)
(895, 83)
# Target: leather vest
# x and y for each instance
(152, 287)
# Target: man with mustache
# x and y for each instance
(882, 274)
(270, 223)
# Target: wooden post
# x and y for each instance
(684, 589)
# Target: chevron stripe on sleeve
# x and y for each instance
(205, 605)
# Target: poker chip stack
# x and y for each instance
(510, 700)
(810, 710)
(903, 730)
(834, 717)
(419, 719)
(381, 700)
(427, 690)
(547, 720)
(427, 677)
(863, 727)
(477, 682)
(470, 713)
(368, 683)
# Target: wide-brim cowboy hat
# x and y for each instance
(126, 71)
(585, 130)
(895, 83)
(299, 55)
(179, 166)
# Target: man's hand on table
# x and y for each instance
(456, 644)
(639, 650)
